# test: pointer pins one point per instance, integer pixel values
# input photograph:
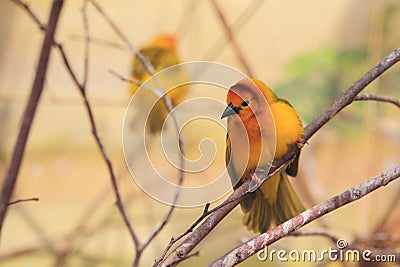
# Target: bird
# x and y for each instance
(266, 126)
(162, 53)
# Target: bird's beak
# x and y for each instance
(230, 110)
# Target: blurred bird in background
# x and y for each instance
(161, 52)
(275, 201)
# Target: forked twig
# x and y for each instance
(380, 98)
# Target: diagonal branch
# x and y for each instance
(82, 90)
(23, 200)
(340, 103)
(30, 110)
(167, 101)
(380, 98)
(232, 38)
(243, 18)
(251, 247)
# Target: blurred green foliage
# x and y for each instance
(318, 77)
(314, 79)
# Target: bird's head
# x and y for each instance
(164, 41)
(248, 98)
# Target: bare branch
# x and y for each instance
(87, 38)
(30, 14)
(82, 90)
(380, 98)
(341, 102)
(23, 200)
(251, 247)
(326, 234)
(131, 81)
(11, 176)
(145, 62)
(150, 69)
(99, 41)
(350, 94)
(158, 229)
(232, 39)
(389, 210)
(242, 19)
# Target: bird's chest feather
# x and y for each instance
(249, 147)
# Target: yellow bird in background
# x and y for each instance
(161, 52)
(275, 201)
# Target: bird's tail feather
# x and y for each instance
(265, 213)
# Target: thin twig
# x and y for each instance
(324, 233)
(30, 13)
(232, 39)
(177, 192)
(99, 41)
(87, 38)
(150, 69)
(380, 98)
(238, 24)
(23, 200)
(96, 136)
(145, 62)
(340, 103)
(389, 210)
(382, 242)
(251, 247)
(132, 81)
(11, 176)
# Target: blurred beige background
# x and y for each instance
(63, 167)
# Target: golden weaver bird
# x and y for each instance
(249, 126)
(161, 52)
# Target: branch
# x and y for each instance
(251, 247)
(30, 110)
(340, 103)
(380, 98)
(141, 247)
(23, 200)
(87, 38)
(167, 101)
(232, 39)
(82, 90)
(389, 210)
(237, 24)
(326, 234)
(145, 62)
(30, 13)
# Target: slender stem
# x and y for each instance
(379, 98)
(232, 39)
(11, 176)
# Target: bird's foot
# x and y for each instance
(300, 143)
(256, 179)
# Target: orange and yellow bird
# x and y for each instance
(162, 53)
(262, 127)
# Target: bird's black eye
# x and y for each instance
(245, 103)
